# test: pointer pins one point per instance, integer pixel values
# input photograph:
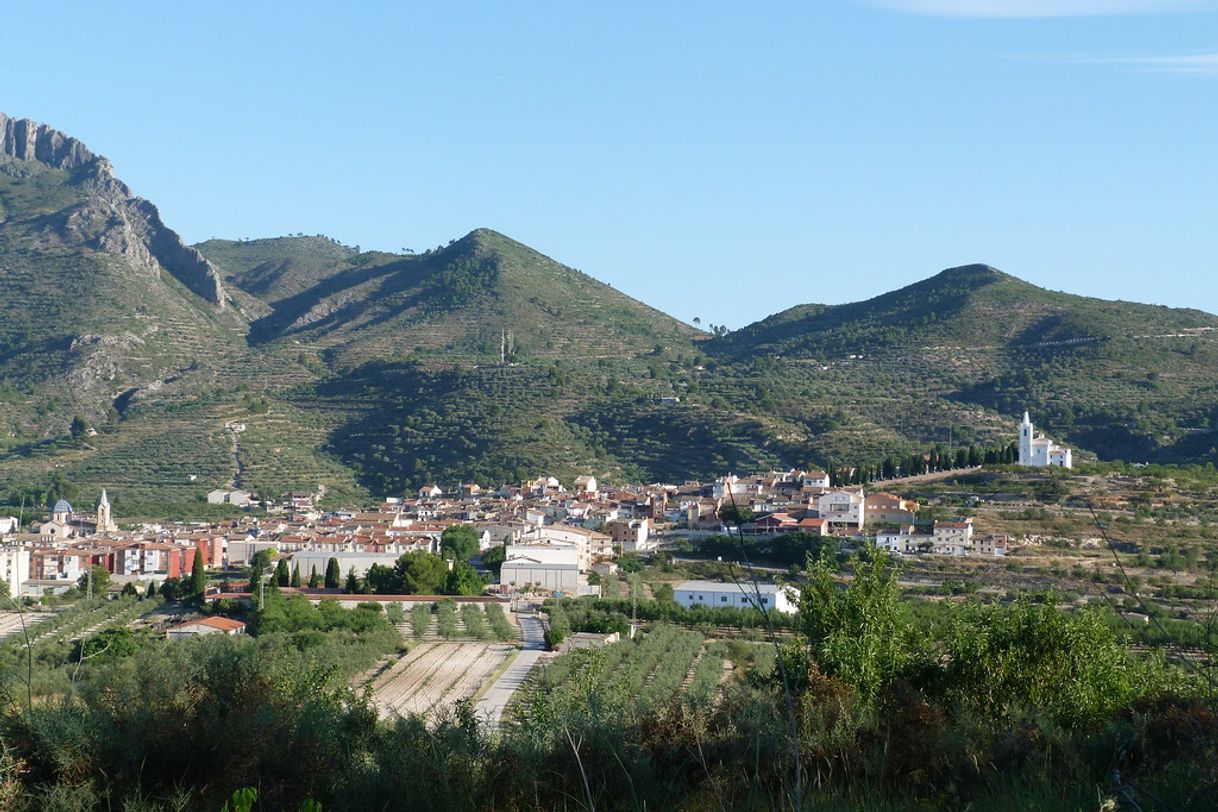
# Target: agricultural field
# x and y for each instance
(446, 620)
(637, 675)
(13, 625)
(434, 675)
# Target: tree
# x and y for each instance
(463, 580)
(314, 578)
(333, 574)
(662, 592)
(198, 575)
(859, 634)
(380, 579)
(282, 576)
(352, 586)
(460, 541)
(258, 565)
(101, 580)
(151, 590)
(493, 558)
(129, 590)
(420, 573)
(735, 514)
(79, 428)
(296, 576)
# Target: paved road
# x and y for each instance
(490, 707)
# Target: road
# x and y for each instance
(491, 706)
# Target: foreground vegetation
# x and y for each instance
(1013, 706)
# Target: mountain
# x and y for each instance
(972, 306)
(102, 297)
(298, 362)
(468, 301)
(1119, 379)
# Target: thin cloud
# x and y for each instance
(1045, 8)
(1194, 64)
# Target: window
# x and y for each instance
(765, 601)
(700, 597)
(723, 599)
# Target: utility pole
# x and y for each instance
(261, 593)
(90, 579)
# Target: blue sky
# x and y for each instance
(722, 160)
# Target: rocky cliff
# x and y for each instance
(110, 219)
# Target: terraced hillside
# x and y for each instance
(102, 297)
(1123, 380)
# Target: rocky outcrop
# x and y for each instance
(111, 219)
(31, 141)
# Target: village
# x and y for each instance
(553, 535)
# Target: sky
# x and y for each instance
(719, 160)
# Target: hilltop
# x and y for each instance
(457, 302)
(972, 306)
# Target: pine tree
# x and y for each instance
(333, 574)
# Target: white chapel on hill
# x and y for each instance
(1040, 451)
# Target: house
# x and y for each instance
(430, 492)
(1040, 451)
(585, 485)
(890, 508)
(207, 625)
(811, 479)
(843, 507)
(630, 536)
(744, 595)
(953, 537)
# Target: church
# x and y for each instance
(64, 523)
(1040, 451)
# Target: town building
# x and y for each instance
(744, 595)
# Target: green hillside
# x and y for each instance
(91, 311)
(278, 267)
(456, 302)
(970, 307)
(1119, 379)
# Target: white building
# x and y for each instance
(745, 595)
(1038, 450)
(843, 507)
(309, 560)
(14, 567)
(550, 567)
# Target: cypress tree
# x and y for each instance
(198, 575)
(352, 582)
(314, 578)
(296, 575)
(282, 576)
(333, 574)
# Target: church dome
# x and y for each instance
(62, 506)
